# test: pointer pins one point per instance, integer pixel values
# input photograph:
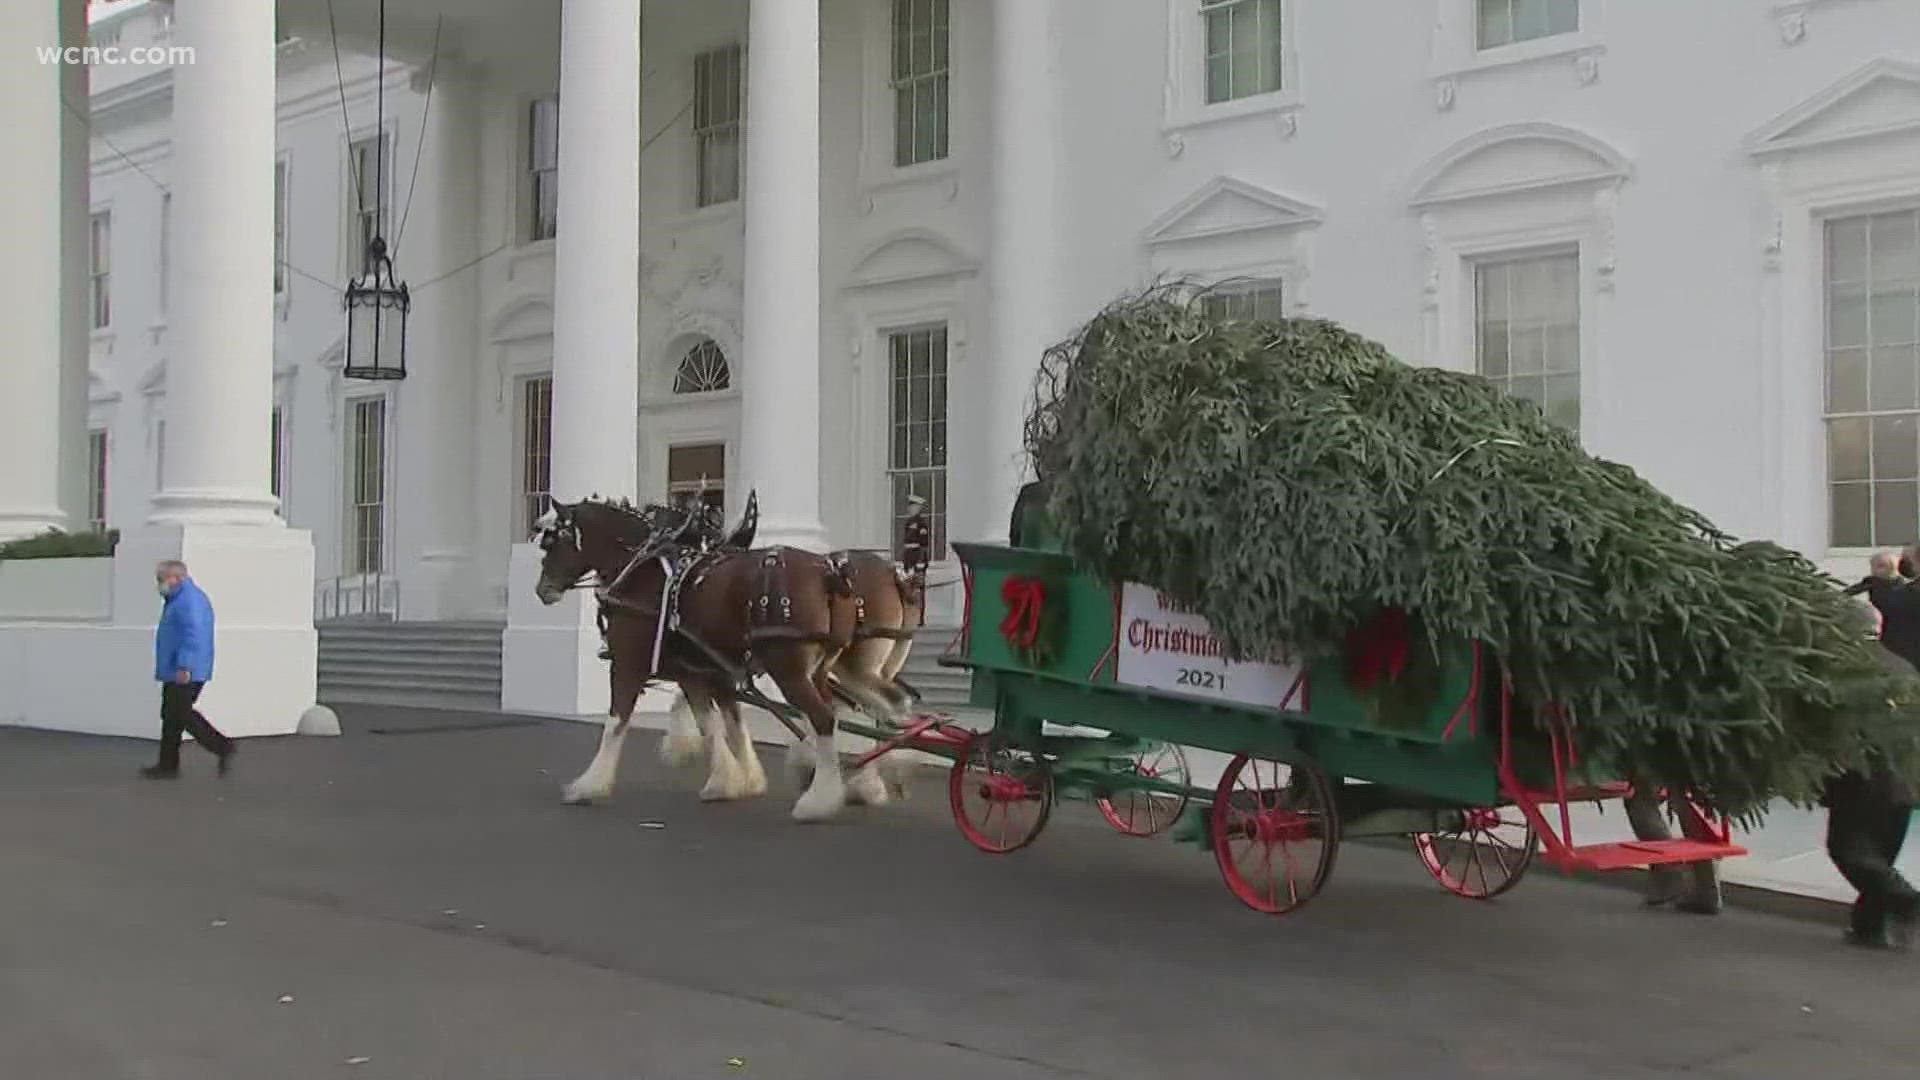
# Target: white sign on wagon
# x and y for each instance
(1163, 647)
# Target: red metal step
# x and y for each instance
(1628, 854)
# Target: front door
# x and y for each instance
(698, 469)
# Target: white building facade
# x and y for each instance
(814, 248)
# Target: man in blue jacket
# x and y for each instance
(182, 663)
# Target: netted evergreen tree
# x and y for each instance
(1291, 481)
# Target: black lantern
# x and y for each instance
(377, 304)
(377, 308)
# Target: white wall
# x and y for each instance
(1698, 365)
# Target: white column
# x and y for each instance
(220, 358)
(780, 387)
(76, 183)
(30, 230)
(596, 279)
(435, 462)
(1023, 203)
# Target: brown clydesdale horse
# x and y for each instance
(783, 612)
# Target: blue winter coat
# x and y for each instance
(184, 638)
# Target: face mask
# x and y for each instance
(162, 588)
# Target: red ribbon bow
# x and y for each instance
(1378, 649)
(1024, 597)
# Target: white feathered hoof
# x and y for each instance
(578, 794)
(867, 789)
(799, 764)
(820, 803)
(725, 785)
(895, 772)
(680, 751)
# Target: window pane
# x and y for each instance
(1893, 317)
(1896, 447)
(1493, 350)
(1563, 16)
(1847, 250)
(1562, 404)
(1896, 512)
(1896, 247)
(1847, 450)
(1496, 23)
(1851, 512)
(1895, 379)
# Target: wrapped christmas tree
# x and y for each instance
(1292, 481)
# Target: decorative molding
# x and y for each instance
(1792, 26)
(1176, 144)
(908, 256)
(1605, 202)
(333, 360)
(1200, 215)
(1430, 237)
(1444, 93)
(1586, 68)
(1595, 161)
(1770, 259)
(1821, 120)
(1289, 123)
(523, 318)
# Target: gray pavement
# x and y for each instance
(428, 906)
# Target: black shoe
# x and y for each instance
(1900, 927)
(161, 772)
(1867, 941)
(226, 759)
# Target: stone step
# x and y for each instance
(447, 665)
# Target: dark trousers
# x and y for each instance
(1865, 831)
(1664, 883)
(177, 714)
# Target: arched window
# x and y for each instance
(702, 370)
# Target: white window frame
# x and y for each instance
(1232, 234)
(940, 509)
(99, 449)
(282, 232)
(1869, 413)
(349, 465)
(1810, 172)
(353, 247)
(1225, 292)
(1512, 8)
(531, 226)
(1512, 257)
(100, 269)
(705, 128)
(1186, 105)
(699, 343)
(1457, 54)
(878, 173)
(935, 77)
(524, 515)
(1560, 194)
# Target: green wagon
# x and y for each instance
(1096, 688)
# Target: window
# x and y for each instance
(543, 169)
(166, 246)
(371, 176)
(716, 126)
(279, 228)
(1254, 300)
(367, 487)
(277, 445)
(1243, 52)
(1527, 323)
(97, 480)
(917, 452)
(698, 471)
(1509, 22)
(702, 370)
(100, 264)
(919, 81)
(1873, 379)
(536, 450)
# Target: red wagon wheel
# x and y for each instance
(1149, 813)
(1275, 832)
(1001, 796)
(1482, 858)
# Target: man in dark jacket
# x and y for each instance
(183, 664)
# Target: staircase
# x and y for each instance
(438, 665)
(945, 688)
